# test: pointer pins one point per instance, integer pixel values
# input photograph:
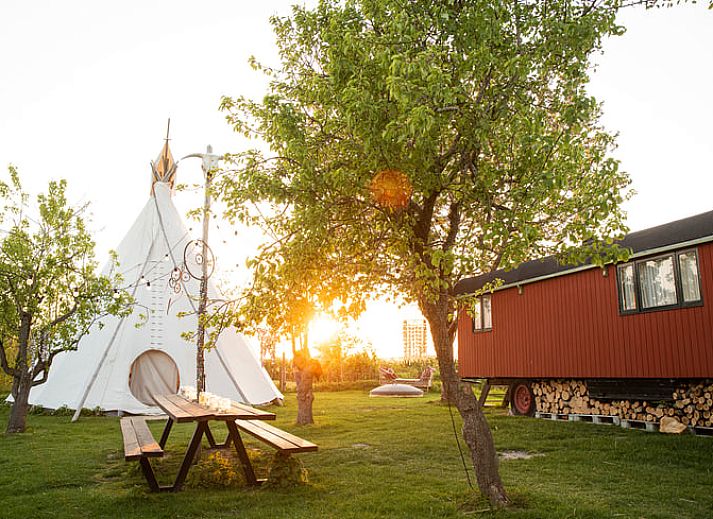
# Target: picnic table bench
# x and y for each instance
(283, 441)
(139, 443)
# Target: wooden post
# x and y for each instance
(484, 393)
(283, 374)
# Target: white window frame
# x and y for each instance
(479, 314)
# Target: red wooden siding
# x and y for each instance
(569, 326)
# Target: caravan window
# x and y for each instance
(627, 287)
(659, 283)
(690, 284)
(482, 314)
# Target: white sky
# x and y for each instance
(86, 88)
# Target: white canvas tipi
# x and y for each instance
(119, 366)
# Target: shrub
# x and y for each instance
(286, 471)
(217, 470)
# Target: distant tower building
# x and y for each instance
(415, 333)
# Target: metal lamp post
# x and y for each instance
(209, 166)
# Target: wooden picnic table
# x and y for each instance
(182, 410)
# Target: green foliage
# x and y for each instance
(361, 385)
(346, 359)
(413, 369)
(51, 292)
(62, 411)
(360, 365)
(286, 471)
(10, 353)
(482, 105)
(217, 470)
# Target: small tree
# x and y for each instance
(415, 143)
(284, 297)
(51, 294)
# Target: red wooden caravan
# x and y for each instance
(634, 330)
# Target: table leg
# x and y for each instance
(166, 432)
(190, 454)
(211, 440)
(209, 436)
(147, 469)
(234, 435)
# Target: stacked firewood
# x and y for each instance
(692, 404)
(643, 411)
(562, 397)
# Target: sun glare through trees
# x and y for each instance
(323, 329)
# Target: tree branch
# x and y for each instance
(44, 368)
(453, 326)
(62, 317)
(3, 361)
(453, 226)
(423, 225)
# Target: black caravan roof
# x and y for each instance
(654, 239)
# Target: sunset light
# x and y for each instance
(322, 329)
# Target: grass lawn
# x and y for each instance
(378, 458)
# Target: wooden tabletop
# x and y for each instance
(180, 409)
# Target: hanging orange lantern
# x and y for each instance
(391, 189)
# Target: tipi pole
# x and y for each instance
(93, 379)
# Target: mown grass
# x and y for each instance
(378, 458)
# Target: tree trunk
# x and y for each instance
(305, 395)
(22, 381)
(476, 431)
(444, 393)
(20, 393)
(302, 370)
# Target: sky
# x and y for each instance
(86, 89)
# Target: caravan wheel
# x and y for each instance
(522, 401)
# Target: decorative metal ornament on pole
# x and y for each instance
(198, 260)
(201, 256)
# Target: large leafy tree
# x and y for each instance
(479, 107)
(50, 291)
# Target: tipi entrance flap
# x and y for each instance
(153, 373)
